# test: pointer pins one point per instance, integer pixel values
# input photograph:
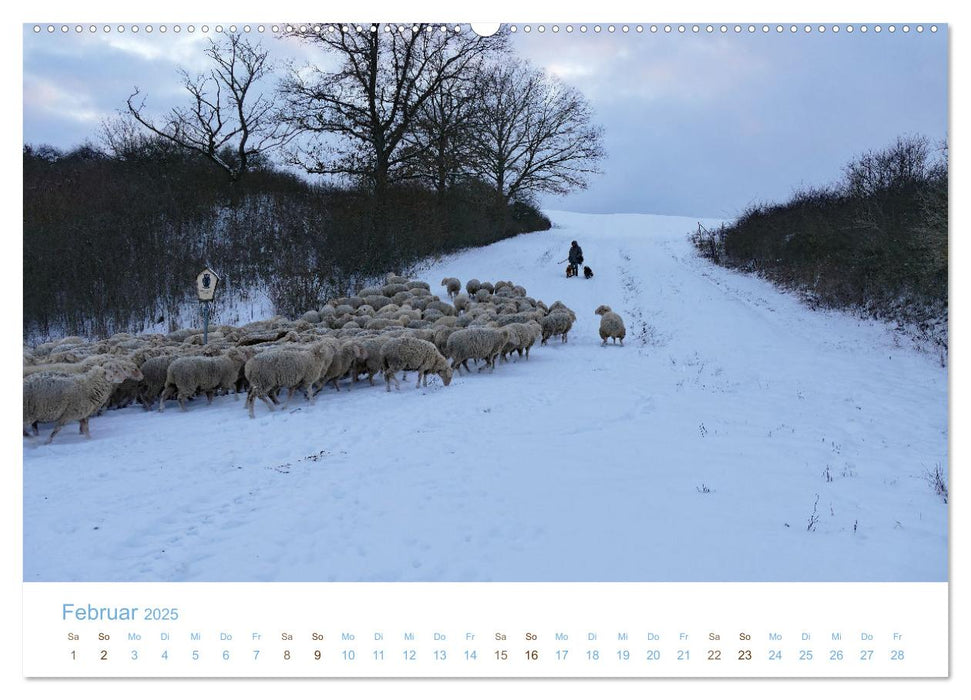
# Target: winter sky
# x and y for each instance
(695, 123)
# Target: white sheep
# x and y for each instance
(371, 364)
(452, 286)
(154, 373)
(289, 368)
(461, 302)
(557, 323)
(347, 353)
(408, 353)
(522, 337)
(611, 325)
(188, 375)
(65, 398)
(472, 286)
(476, 343)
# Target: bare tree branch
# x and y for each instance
(226, 122)
(372, 101)
(533, 133)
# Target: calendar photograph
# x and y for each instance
(318, 302)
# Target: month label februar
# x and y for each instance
(511, 630)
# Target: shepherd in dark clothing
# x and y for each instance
(575, 258)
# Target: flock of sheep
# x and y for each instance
(400, 326)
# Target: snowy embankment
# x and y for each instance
(737, 436)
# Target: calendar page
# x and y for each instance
(483, 351)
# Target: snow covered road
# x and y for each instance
(737, 436)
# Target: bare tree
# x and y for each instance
(386, 77)
(229, 121)
(533, 133)
(439, 145)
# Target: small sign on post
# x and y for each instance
(206, 289)
(206, 284)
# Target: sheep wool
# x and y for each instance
(346, 354)
(64, 398)
(408, 353)
(476, 343)
(452, 286)
(611, 325)
(188, 375)
(556, 323)
(288, 368)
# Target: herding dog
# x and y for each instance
(571, 271)
(587, 272)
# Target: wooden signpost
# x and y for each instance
(206, 288)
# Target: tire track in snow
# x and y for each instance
(645, 333)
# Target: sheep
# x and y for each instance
(472, 286)
(183, 333)
(433, 315)
(447, 321)
(377, 302)
(408, 353)
(187, 375)
(154, 371)
(611, 325)
(506, 319)
(70, 367)
(487, 286)
(556, 323)
(441, 337)
(379, 324)
(427, 333)
(418, 284)
(452, 286)
(476, 344)
(66, 356)
(461, 302)
(392, 278)
(346, 354)
(522, 337)
(370, 364)
(275, 369)
(444, 308)
(62, 399)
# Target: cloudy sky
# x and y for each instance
(698, 124)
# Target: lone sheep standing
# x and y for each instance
(611, 325)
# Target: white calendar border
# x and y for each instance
(504, 10)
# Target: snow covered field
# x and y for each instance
(738, 436)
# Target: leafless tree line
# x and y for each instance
(387, 105)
